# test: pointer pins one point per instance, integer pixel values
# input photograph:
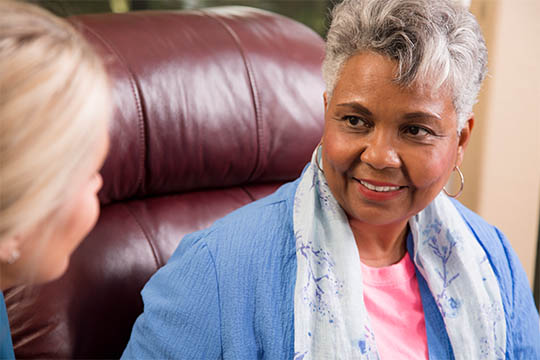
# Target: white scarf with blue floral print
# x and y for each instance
(330, 317)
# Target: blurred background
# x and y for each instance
(310, 12)
(502, 164)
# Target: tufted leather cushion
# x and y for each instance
(214, 108)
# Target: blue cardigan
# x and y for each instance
(228, 291)
(6, 346)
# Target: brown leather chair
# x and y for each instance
(215, 108)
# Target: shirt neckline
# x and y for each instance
(395, 274)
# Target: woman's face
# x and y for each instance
(387, 151)
(46, 257)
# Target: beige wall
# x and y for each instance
(502, 164)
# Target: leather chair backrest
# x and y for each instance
(215, 108)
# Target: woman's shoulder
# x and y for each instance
(522, 322)
(495, 244)
(249, 234)
(246, 257)
(258, 222)
(502, 257)
(260, 215)
(215, 280)
(487, 234)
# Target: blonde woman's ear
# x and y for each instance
(325, 98)
(9, 250)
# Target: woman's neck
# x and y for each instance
(380, 245)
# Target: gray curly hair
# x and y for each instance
(432, 41)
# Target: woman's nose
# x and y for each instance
(380, 151)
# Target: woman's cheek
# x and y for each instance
(431, 168)
(339, 150)
(85, 213)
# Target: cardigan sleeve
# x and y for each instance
(523, 316)
(181, 317)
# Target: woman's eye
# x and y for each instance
(417, 131)
(354, 120)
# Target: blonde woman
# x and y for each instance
(54, 111)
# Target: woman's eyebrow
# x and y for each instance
(422, 115)
(416, 115)
(356, 107)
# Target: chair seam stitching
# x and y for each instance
(254, 92)
(157, 258)
(135, 90)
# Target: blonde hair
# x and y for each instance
(55, 98)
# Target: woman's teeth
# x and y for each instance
(379, 188)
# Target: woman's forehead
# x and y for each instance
(367, 82)
(371, 68)
(366, 71)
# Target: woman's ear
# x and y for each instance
(9, 250)
(463, 141)
(325, 98)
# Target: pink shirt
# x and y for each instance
(394, 305)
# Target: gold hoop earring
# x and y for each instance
(317, 156)
(460, 186)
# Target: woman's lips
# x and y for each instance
(379, 191)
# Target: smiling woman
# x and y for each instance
(388, 151)
(365, 256)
